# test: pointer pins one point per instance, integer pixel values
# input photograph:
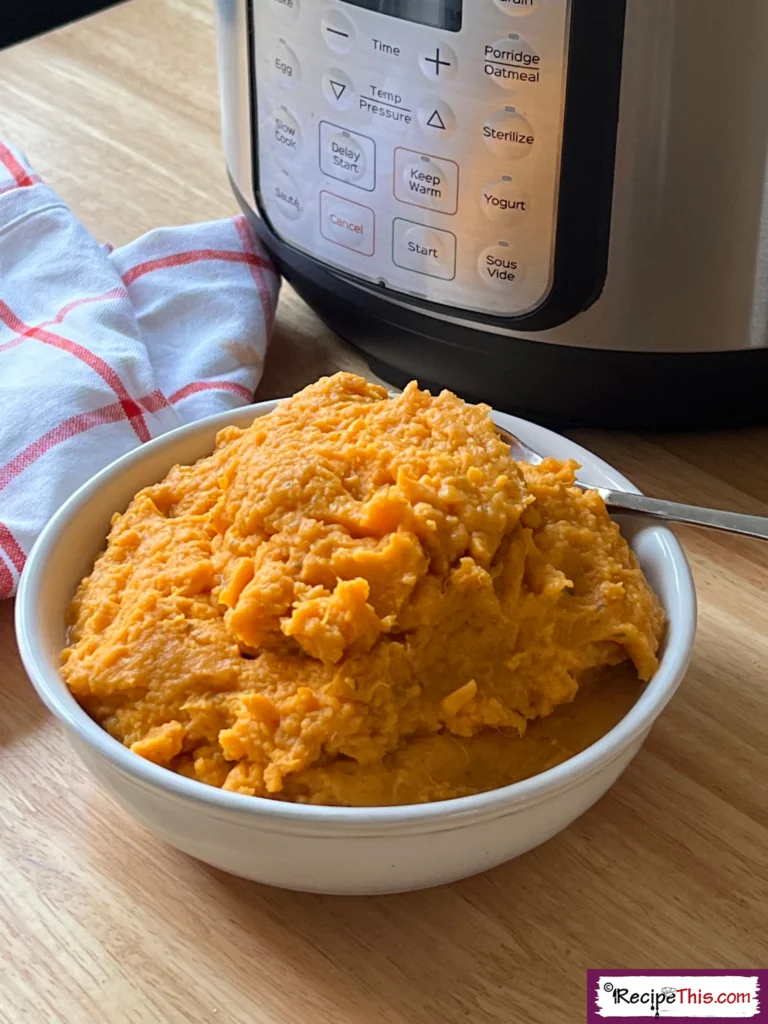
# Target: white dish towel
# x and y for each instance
(101, 350)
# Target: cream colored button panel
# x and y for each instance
(423, 160)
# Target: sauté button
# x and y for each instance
(428, 181)
(287, 196)
(338, 31)
(339, 89)
(286, 132)
(511, 61)
(286, 66)
(507, 133)
(348, 224)
(424, 250)
(499, 268)
(503, 200)
(348, 156)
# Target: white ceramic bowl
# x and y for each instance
(330, 849)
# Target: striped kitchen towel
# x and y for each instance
(101, 350)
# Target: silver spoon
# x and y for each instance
(654, 508)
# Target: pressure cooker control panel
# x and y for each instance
(417, 149)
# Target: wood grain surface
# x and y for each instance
(100, 922)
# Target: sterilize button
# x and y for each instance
(499, 267)
(517, 6)
(339, 89)
(507, 133)
(286, 132)
(338, 31)
(503, 200)
(286, 195)
(286, 66)
(511, 61)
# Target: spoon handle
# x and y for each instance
(674, 511)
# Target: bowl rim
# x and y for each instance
(496, 802)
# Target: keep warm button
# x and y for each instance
(428, 181)
(424, 250)
(348, 224)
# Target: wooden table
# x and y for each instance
(100, 922)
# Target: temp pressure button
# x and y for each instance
(507, 133)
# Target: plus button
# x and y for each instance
(438, 63)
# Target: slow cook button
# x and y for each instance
(428, 181)
(348, 224)
(287, 133)
(504, 201)
(499, 268)
(507, 133)
(424, 250)
(287, 196)
(347, 156)
(286, 66)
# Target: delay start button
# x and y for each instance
(499, 268)
(348, 224)
(347, 155)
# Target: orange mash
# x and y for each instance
(339, 602)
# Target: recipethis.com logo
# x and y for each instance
(676, 995)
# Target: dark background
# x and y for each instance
(20, 19)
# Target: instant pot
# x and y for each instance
(559, 207)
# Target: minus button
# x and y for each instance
(338, 32)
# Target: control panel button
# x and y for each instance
(288, 10)
(338, 31)
(503, 200)
(517, 6)
(507, 133)
(436, 118)
(428, 181)
(348, 156)
(424, 250)
(499, 268)
(286, 66)
(438, 63)
(287, 196)
(511, 61)
(286, 133)
(339, 89)
(348, 224)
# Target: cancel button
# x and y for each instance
(348, 224)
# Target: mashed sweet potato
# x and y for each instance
(336, 603)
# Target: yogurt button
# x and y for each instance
(499, 267)
(503, 200)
